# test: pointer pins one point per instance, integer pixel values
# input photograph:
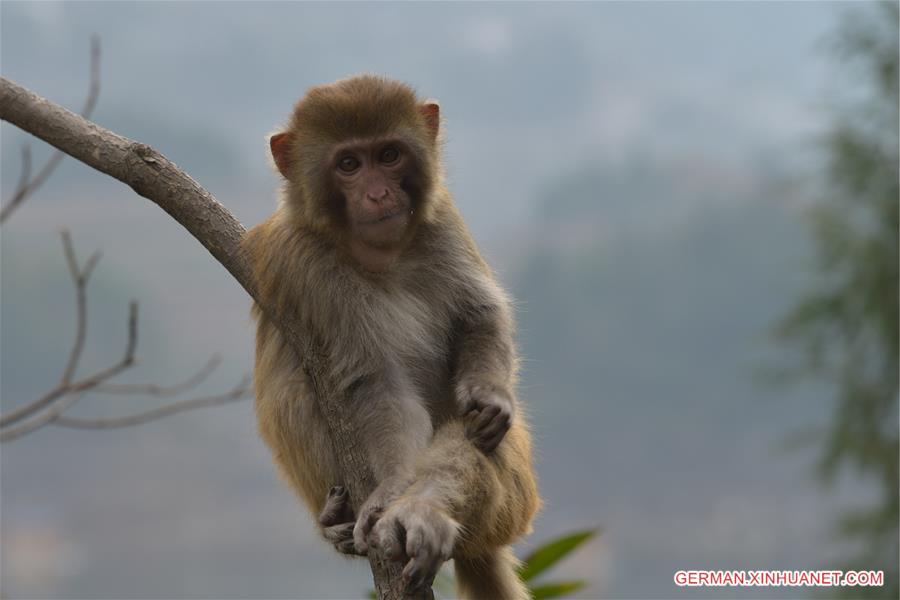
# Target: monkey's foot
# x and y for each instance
(419, 534)
(337, 521)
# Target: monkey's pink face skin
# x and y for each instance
(369, 176)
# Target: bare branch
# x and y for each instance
(59, 398)
(14, 416)
(155, 177)
(159, 391)
(25, 175)
(27, 186)
(239, 392)
(80, 279)
(45, 418)
(68, 394)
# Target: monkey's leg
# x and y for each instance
(466, 505)
(394, 427)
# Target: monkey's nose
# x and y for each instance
(377, 196)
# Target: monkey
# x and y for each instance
(368, 250)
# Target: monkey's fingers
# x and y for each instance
(495, 431)
(481, 419)
(348, 547)
(419, 576)
(364, 526)
(422, 567)
(429, 543)
(499, 423)
(488, 429)
(341, 536)
(390, 538)
(337, 508)
(489, 443)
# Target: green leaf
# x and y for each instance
(552, 552)
(444, 584)
(555, 590)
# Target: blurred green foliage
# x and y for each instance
(547, 555)
(847, 327)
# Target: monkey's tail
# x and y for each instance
(489, 577)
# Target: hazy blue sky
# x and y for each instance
(669, 121)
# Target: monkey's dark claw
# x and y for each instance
(420, 571)
(411, 575)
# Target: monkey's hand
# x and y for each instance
(337, 521)
(374, 506)
(416, 533)
(488, 414)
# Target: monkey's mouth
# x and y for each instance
(385, 217)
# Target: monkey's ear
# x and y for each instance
(280, 144)
(432, 113)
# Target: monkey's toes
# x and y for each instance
(341, 537)
(337, 508)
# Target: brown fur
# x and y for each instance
(412, 348)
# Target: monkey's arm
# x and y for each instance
(484, 373)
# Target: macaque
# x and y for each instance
(367, 249)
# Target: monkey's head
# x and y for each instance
(360, 157)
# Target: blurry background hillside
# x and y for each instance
(638, 174)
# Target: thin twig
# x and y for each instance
(25, 175)
(240, 391)
(160, 391)
(72, 392)
(45, 418)
(80, 278)
(27, 186)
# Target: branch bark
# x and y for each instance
(156, 178)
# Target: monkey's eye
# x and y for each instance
(348, 164)
(389, 155)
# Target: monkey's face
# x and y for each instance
(361, 159)
(371, 179)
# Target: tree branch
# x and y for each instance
(26, 185)
(161, 391)
(69, 393)
(80, 278)
(153, 176)
(65, 386)
(239, 392)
